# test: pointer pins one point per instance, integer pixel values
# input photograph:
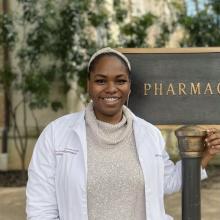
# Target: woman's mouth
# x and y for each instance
(110, 100)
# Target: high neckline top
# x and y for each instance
(115, 182)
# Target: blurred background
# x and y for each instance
(44, 50)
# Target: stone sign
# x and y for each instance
(175, 86)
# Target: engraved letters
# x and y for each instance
(195, 89)
(181, 89)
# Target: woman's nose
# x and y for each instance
(111, 88)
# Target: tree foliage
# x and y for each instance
(202, 27)
(134, 33)
(57, 41)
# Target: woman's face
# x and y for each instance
(109, 88)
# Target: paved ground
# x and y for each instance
(12, 203)
(210, 204)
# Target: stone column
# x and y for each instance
(4, 59)
(3, 155)
(74, 102)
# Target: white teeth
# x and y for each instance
(110, 99)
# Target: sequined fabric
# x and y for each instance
(115, 184)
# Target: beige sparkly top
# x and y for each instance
(115, 182)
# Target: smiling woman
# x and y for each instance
(104, 163)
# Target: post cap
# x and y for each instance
(190, 131)
(191, 141)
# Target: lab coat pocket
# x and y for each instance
(67, 165)
(73, 151)
(66, 154)
(67, 150)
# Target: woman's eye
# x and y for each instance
(100, 81)
(121, 81)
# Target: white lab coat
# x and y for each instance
(56, 187)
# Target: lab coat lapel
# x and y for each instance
(144, 148)
(80, 129)
(146, 157)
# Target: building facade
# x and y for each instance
(165, 11)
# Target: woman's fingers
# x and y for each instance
(212, 141)
(212, 134)
(214, 149)
(211, 131)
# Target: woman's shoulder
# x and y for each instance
(69, 118)
(147, 125)
(66, 121)
(145, 128)
(140, 122)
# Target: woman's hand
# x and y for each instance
(212, 142)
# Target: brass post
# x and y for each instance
(191, 147)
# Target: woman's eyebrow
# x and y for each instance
(105, 76)
(100, 75)
(121, 75)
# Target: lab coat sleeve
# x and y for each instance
(41, 201)
(173, 173)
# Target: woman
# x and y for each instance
(104, 163)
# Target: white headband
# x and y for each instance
(107, 50)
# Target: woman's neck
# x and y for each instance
(112, 119)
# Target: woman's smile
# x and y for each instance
(110, 100)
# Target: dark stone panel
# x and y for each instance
(197, 103)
